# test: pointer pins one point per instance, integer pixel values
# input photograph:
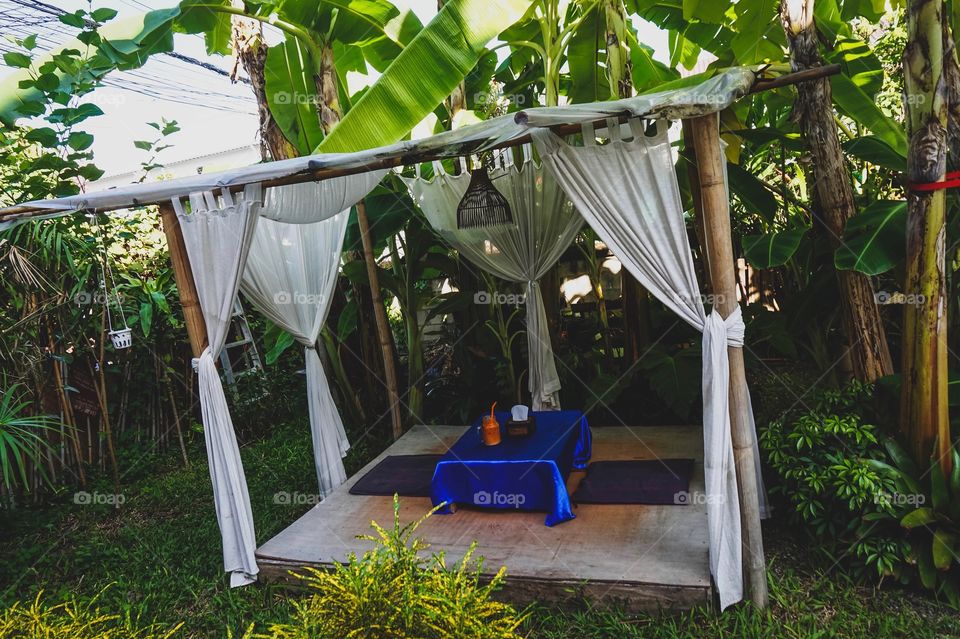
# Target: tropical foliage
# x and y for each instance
(621, 355)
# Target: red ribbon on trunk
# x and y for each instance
(952, 181)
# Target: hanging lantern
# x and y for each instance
(482, 204)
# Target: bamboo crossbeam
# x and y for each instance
(27, 212)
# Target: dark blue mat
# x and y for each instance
(638, 481)
(404, 475)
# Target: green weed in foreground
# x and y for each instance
(393, 591)
(73, 619)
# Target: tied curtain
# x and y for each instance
(290, 277)
(627, 191)
(545, 223)
(217, 234)
(298, 252)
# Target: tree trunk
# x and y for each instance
(814, 112)
(923, 410)
(619, 65)
(457, 100)
(250, 50)
(951, 72)
(328, 90)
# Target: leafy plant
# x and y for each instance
(22, 444)
(392, 591)
(929, 511)
(826, 462)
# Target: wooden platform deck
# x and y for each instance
(644, 558)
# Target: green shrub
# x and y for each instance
(394, 592)
(74, 620)
(862, 497)
(927, 506)
(827, 479)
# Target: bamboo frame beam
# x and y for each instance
(314, 175)
(715, 205)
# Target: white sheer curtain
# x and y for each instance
(217, 235)
(290, 276)
(627, 191)
(545, 223)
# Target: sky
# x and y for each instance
(213, 113)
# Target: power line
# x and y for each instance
(54, 25)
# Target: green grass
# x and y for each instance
(159, 559)
(808, 600)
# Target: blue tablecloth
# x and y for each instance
(526, 473)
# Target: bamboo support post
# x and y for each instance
(383, 326)
(715, 202)
(183, 274)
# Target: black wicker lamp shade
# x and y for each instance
(482, 204)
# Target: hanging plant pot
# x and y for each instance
(122, 338)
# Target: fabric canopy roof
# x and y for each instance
(709, 96)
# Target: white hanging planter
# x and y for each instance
(122, 338)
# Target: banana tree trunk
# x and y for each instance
(868, 349)
(330, 110)
(250, 51)
(457, 100)
(924, 419)
(951, 72)
(619, 65)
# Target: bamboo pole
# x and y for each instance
(99, 378)
(176, 423)
(183, 274)
(383, 326)
(715, 202)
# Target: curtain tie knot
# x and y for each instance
(195, 362)
(733, 326)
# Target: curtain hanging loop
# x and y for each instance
(613, 129)
(589, 134)
(177, 205)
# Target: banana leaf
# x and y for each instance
(772, 249)
(874, 239)
(424, 74)
(292, 94)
